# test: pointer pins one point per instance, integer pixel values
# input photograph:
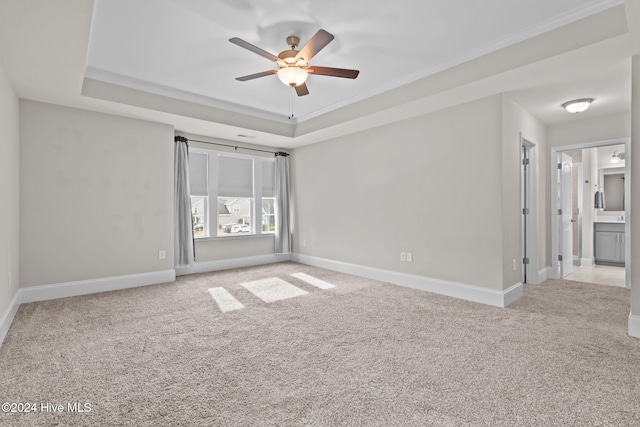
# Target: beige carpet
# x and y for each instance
(360, 353)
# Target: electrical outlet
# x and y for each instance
(403, 256)
(162, 254)
(409, 257)
(514, 264)
(304, 243)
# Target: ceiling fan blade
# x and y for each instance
(256, 75)
(253, 48)
(302, 90)
(315, 45)
(334, 72)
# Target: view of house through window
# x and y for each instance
(199, 215)
(234, 215)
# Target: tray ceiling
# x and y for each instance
(180, 48)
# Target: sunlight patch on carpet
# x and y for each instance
(273, 289)
(225, 300)
(313, 281)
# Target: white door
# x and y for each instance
(566, 225)
(524, 204)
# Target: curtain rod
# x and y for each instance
(277, 153)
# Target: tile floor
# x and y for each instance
(600, 274)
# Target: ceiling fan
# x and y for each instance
(294, 65)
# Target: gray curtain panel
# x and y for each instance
(283, 228)
(184, 253)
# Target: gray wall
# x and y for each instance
(9, 188)
(96, 195)
(431, 185)
(230, 248)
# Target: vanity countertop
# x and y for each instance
(609, 221)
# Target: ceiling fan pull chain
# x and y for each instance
(290, 107)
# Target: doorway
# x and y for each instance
(590, 218)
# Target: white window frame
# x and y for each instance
(204, 214)
(213, 217)
(262, 215)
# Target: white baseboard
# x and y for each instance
(81, 287)
(586, 262)
(512, 294)
(543, 275)
(634, 325)
(7, 318)
(226, 264)
(442, 287)
(92, 286)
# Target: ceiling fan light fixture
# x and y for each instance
(293, 64)
(577, 105)
(292, 76)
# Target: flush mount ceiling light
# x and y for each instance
(577, 105)
(617, 157)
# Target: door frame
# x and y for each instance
(566, 206)
(580, 178)
(554, 271)
(529, 235)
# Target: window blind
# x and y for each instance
(198, 176)
(235, 177)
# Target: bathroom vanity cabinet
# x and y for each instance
(609, 243)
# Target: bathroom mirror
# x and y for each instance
(612, 183)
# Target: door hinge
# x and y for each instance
(559, 257)
(525, 161)
(559, 165)
(525, 260)
(559, 211)
(525, 211)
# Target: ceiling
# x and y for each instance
(171, 61)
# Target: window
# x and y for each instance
(198, 181)
(231, 194)
(268, 197)
(268, 215)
